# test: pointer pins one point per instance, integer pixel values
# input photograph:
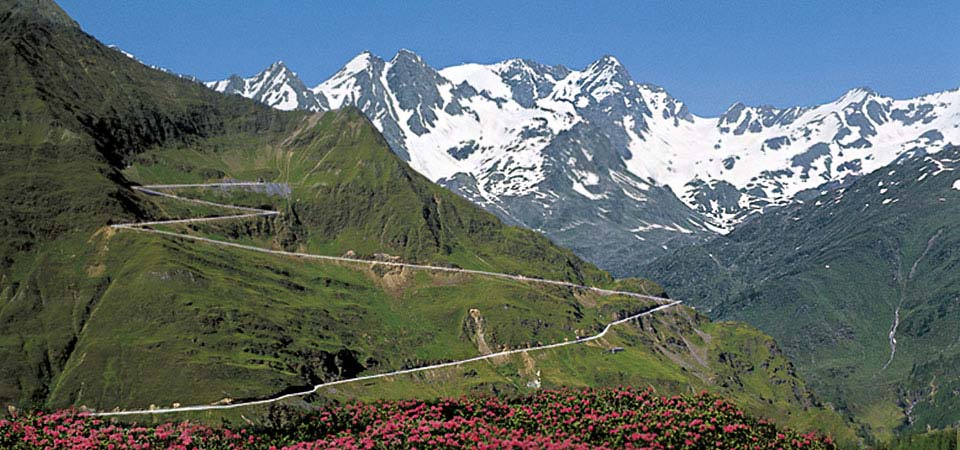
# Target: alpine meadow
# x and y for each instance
(509, 255)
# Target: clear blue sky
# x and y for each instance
(707, 53)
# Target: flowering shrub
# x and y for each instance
(562, 419)
(69, 430)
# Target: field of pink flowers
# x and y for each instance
(562, 419)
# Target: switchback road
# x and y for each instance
(254, 212)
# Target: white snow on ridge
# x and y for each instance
(644, 227)
(495, 128)
(492, 127)
(956, 185)
(675, 154)
(582, 190)
(341, 89)
(481, 77)
(747, 158)
(272, 86)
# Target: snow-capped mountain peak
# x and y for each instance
(857, 95)
(344, 87)
(276, 85)
(571, 152)
(608, 68)
(365, 61)
(405, 56)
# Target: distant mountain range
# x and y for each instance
(831, 227)
(91, 315)
(856, 273)
(619, 171)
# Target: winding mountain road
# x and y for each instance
(254, 212)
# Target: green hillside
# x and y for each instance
(71, 111)
(829, 279)
(95, 316)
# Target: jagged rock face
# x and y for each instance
(276, 86)
(597, 161)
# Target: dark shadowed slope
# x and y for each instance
(861, 287)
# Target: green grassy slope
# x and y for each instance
(678, 353)
(826, 278)
(350, 195)
(246, 325)
(72, 109)
(94, 316)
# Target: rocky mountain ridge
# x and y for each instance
(593, 158)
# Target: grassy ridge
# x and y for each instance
(349, 195)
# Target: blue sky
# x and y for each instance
(707, 53)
